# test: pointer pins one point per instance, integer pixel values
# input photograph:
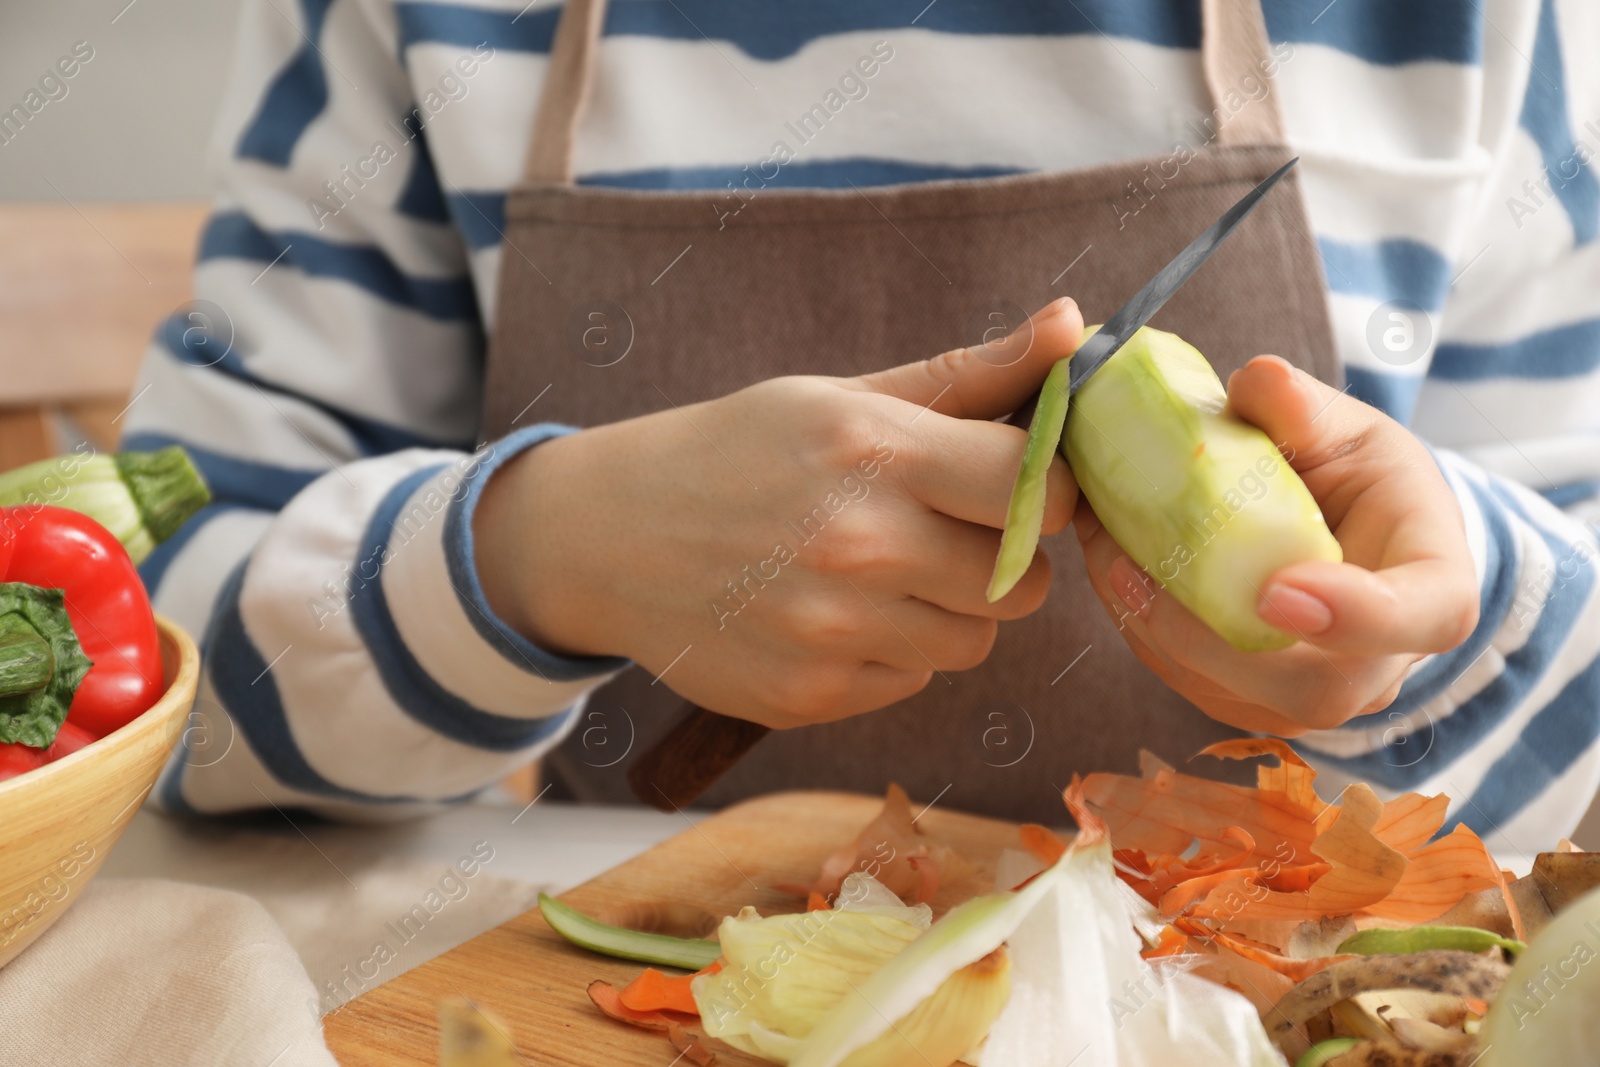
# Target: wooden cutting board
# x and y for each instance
(535, 981)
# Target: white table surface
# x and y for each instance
(336, 889)
(553, 844)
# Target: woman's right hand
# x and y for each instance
(800, 551)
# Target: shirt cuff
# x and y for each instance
(461, 560)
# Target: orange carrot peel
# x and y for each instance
(655, 991)
(610, 1001)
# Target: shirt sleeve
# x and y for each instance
(1507, 723)
(326, 380)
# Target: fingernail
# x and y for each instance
(1130, 584)
(1297, 608)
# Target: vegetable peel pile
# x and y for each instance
(1310, 908)
(868, 980)
(1277, 852)
(1225, 925)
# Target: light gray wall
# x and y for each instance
(136, 118)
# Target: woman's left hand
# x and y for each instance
(1407, 586)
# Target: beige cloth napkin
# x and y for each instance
(109, 985)
(215, 945)
(144, 972)
(357, 909)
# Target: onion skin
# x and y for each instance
(947, 1025)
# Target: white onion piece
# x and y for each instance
(1549, 1010)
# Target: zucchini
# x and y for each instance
(141, 497)
(1201, 500)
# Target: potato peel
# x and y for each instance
(1462, 974)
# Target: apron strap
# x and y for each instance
(1234, 52)
(1236, 56)
(567, 79)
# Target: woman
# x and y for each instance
(781, 508)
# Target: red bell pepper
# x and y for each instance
(68, 740)
(55, 549)
(19, 759)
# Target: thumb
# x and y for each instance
(991, 379)
(1309, 421)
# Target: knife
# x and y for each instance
(704, 744)
(1130, 317)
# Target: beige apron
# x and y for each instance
(844, 282)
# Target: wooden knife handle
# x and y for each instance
(673, 772)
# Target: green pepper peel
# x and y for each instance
(1382, 942)
(689, 954)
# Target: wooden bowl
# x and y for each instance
(58, 822)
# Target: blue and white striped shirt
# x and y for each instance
(348, 275)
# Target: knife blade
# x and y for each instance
(1127, 319)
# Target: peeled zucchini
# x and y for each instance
(1201, 500)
